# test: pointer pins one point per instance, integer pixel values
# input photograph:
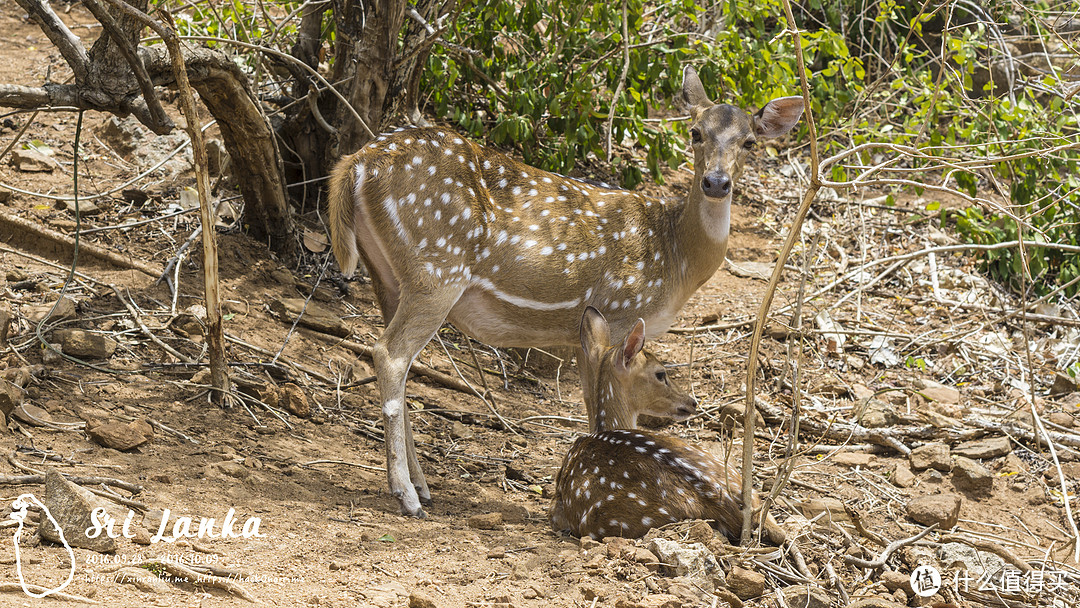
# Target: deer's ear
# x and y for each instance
(595, 335)
(778, 117)
(632, 345)
(693, 95)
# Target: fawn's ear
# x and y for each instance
(693, 95)
(632, 345)
(595, 335)
(778, 117)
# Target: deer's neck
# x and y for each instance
(701, 235)
(607, 408)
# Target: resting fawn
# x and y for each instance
(618, 481)
(512, 255)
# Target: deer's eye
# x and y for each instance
(748, 144)
(661, 376)
(695, 135)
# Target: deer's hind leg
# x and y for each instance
(419, 315)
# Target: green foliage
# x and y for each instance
(542, 75)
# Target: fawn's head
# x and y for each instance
(722, 135)
(621, 381)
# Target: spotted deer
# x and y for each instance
(621, 481)
(512, 255)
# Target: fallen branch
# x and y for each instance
(60, 595)
(12, 227)
(879, 561)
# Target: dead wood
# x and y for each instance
(14, 228)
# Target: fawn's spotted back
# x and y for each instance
(619, 481)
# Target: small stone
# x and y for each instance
(1070, 469)
(700, 532)
(878, 414)
(902, 477)
(496, 553)
(833, 508)
(5, 325)
(514, 514)
(982, 449)
(295, 401)
(86, 207)
(692, 560)
(1011, 464)
(643, 556)
(85, 345)
(141, 536)
(971, 477)
(11, 396)
(805, 596)
(746, 584)
(940, 509)
(1063, 385)
(123, 135)
(485, 521)
(420, 599)
(931, 456)
(33, 161)
(336, 565)
(936, 391)
(660, 600)
(894, 580)
(853, 459)
(122, 436)
(65, 309)
(460, 431)
(861, 393)
(1061, 419)
(231, 468)
(51, 356)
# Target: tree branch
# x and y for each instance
(69, 44)
(159, 123)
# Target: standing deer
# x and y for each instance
(618, 481)
(512, 255)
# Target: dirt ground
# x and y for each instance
(306, 460)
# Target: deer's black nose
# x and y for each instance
(716, 184)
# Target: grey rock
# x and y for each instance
(692, 560)
(71, 506)
(991, 447)
(971, 477)
(85, 345)
(931, 456)
(33, 161)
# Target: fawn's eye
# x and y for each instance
(748, 144)
(661, 376)
(695, 135)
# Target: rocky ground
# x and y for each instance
(917, 399)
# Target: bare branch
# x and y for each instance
(159, 123)
(69, 44)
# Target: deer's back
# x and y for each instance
(622, 483)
